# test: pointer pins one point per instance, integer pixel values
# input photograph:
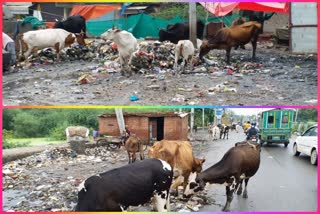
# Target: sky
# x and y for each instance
(248, 111)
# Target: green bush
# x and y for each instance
(59, 132)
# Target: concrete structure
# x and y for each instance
(148, 126)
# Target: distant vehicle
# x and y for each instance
(307, 144)
(276, 126)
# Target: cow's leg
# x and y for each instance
(134, 157)
(245, 193)
(27, 53)
(229, 192)
(122, 65)
(240, 188)
(228, 50)
(175, 66)
(160, 199)
(57, 48)
(176, 183)
(129, 156)
(254, 46)
(229, 199)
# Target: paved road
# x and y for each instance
(283, 182)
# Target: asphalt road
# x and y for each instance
(283, 182)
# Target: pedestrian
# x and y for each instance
(95, 134)
(9, 45)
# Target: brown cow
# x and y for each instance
(180, 156)
(233, 36)
(239, 163)
(133, 145)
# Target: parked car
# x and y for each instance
(307, 144)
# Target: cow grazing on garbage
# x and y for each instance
(233, 36)
(184, 49)
(126, 42)
(239, 163)
(129, 185)
(55, 38)
(73, 24)
(179, 31)
(180, 156)
(133, 145)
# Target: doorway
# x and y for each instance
(156, 129)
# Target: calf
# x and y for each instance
(233, 36)
(56, 38)
(133, 145)
(180, 156)
(127, 44)
(130, 185)
(184, 49)
(239, 163)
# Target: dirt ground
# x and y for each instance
(276, 78)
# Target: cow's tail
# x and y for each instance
(85, 29)
(181, 49)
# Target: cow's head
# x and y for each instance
(162, 35)
(110, 34)
(195, 184)
(204, 48)
(80, 38)
(197, 164)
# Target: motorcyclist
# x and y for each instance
(252, 131)
(246, 126)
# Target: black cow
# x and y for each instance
(224, 130)
(73, 24)
(239, 163)
(179, 31)
(130, 185)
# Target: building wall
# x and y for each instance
(175, 128)
(137, 125)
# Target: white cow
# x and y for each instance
(238, 128)
(215, 131)
(56, 38)
(184, 49)
(126, 42)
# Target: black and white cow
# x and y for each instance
(129, 185)
(239, 163)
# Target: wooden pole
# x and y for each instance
(193, 23)
(202, 119)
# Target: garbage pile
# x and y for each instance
(153, 55)
(48, 181)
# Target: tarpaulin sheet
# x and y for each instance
(223, 8)
(93, 11)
